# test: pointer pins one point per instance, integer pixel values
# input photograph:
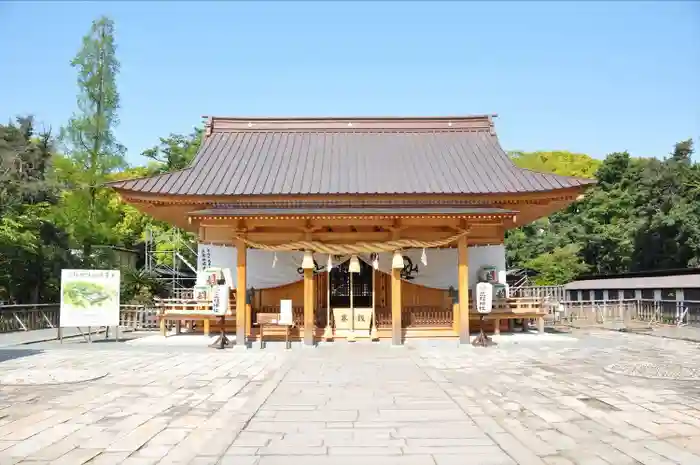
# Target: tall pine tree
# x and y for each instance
(89, 137)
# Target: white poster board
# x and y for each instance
(89, 298)
(484, 297)
(286, 317)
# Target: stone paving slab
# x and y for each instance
(18, 338)
(527, 401)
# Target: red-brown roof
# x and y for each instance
(266, 156)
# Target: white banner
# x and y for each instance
(89, 298)
(440, 270)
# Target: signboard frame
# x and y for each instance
(89, 298)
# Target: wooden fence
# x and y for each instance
(539, 292)
(627, 313)
(46, 316)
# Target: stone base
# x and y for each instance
(328, 334)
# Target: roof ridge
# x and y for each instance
(216, 124)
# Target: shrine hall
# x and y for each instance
(372, 227)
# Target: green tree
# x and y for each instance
(175, 152)
(559, 266)
(557, 162)
(32, 246)
(91, 146)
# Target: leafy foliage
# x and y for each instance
(175, 152)
(644, 214)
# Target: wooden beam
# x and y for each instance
(478, 200)
(217, 235)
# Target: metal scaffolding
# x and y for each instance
(169, 265)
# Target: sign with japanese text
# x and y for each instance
(343, 318)
(484, 297)
(363, 318)
(89, 298)
(220, 300)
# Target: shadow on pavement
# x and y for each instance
(11, 354)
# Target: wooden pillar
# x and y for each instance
(455, 318)
(241, 269)
(463, 276)
(249, 320)
(309, 306)
(396, 336)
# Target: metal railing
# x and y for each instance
(46, 316)
(627, 313)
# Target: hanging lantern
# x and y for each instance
(424, 258)
(308, 262)
(397, 260)
(274, 259)
(375, 261)
(354, 264)
(329, 264)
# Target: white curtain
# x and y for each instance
(260, 272)
(440, 271)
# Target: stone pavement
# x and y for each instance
(545, 400)
(17, 338)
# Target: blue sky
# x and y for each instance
(592, 77)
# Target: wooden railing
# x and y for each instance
(138, 317)
(28, 317)
(539, 292)
(629, 312)
(426, 316)
(46, 316)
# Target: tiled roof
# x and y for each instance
(684, 281)
(458, 155)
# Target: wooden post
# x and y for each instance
(206, 326)
(497, 326)
(309, 306)
(249, 321)
(373, 331)
(328, 332)
(455, 318)
(396, 336)
(463, 276)
(241, 255)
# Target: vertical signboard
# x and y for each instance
(89, 298)
(484, 297)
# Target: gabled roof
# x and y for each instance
(266, 156)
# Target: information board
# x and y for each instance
(286, 317)
(89, 298)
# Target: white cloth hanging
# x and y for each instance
(441, 274)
